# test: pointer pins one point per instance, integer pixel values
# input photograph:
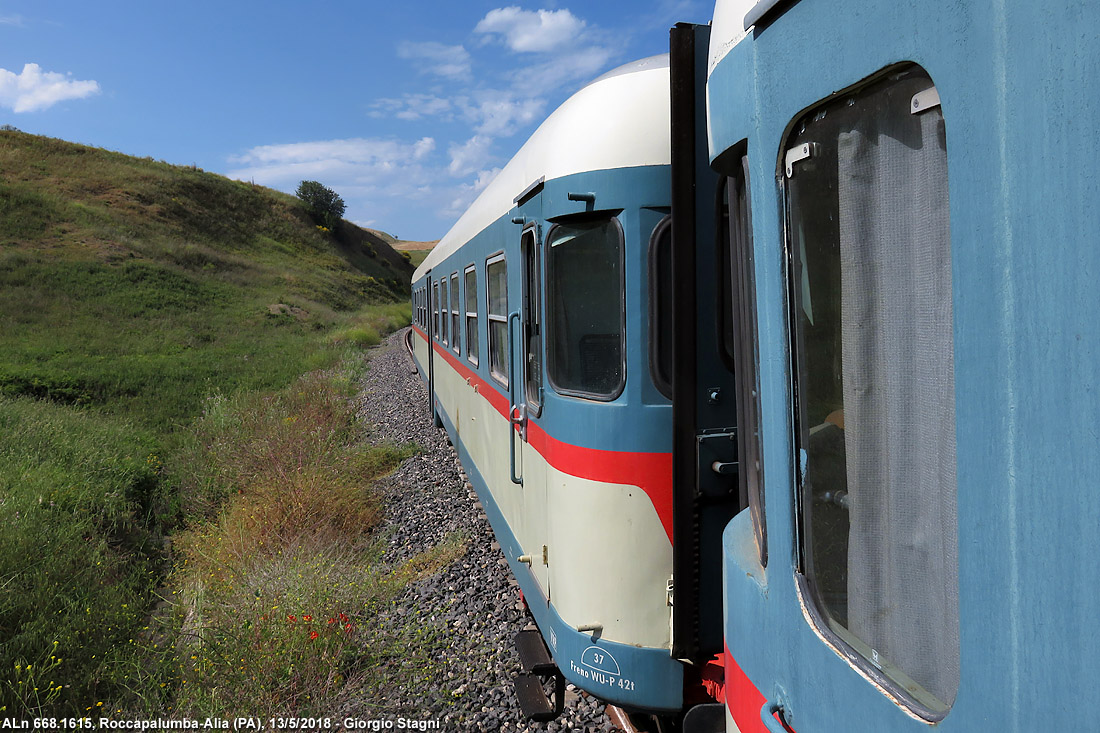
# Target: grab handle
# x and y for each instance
(513, 408)
(766, 717)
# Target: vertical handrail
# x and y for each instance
(513, 407)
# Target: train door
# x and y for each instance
(432, 290)
(529, 468)
(706, 491)
(530, 345)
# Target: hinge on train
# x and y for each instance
(799, 153)
(924, 101)
(669, 586)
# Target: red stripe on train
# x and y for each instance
(651, 472)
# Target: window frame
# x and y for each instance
(846, 643)
(456, 335)
(737, 309)
(532, 304)
(503, 378)
(657, 302)
(435, 308)
(472, 353)
(444, 309)
(549, 318)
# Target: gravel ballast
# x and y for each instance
(474, 601)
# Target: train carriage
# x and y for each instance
(774, 364)
(533, 333)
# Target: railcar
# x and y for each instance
(532, 331)
(916, 254)
(775, 366)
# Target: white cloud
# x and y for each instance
(376, 177)
(16, 20)
(452, 62)
(532, 30)
(468, 157)
(494, 112)
(422, 147)
(523, 58)
(467, 192)
(417, 106)
(360, 163)
(502, 113)
(580, 66)
(33, 90)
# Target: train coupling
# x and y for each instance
(538, 669)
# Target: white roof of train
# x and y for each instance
(620, 120)
(727, 29)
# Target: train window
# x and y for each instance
(660, 306)
(435, 309)
(532, 321)
(869, 241)
(737, 325)
(585, 311)
(444, 308)
(455, 330)
(471, 314)
(496, 283)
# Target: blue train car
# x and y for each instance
(921, 359)
(534, 335)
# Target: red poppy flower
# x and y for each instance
(343, 618)
(347, 627)
(313, 635)
(290, 618)
(307, 618)
(331, 621)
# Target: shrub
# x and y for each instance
(325, 204)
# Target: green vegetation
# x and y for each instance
(137, 287)
(324, 204)
(280, 585)
(177, 354)
(78, 562)
(417, 256)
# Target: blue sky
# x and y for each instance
(406, 108)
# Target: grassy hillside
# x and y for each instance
(151, 317)
(417, 252)
(125, 282)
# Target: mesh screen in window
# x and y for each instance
(874, 368)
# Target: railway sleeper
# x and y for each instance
(537, 669)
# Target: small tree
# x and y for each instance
(325, 205)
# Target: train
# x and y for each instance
(775, 363)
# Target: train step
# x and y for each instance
(538, 668)
(533, 654)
